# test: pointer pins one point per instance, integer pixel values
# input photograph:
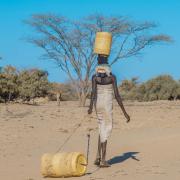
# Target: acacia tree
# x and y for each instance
(70, 43)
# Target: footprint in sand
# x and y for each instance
(63, 130)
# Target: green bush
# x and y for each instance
(8, 84)
(32, 83)
(29, 84)
(128, 89)
(26, 84)
(162, 87)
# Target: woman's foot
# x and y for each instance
(104, 164)
(97, 161)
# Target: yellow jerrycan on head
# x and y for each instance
(103, 43)
(63, 164)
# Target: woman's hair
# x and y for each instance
(102, 59)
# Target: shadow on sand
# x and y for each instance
(124, 157)
(118, 159)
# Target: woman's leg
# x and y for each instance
(107, 129)
(104, 114)
(103, 162)
(98, 155)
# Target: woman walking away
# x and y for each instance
(103, 85)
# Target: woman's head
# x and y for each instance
(102, 59)
(103, 66)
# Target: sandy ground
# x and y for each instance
(148, 148)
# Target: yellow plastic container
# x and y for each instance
(103, 42)
(63, 164)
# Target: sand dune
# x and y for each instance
(147, 148)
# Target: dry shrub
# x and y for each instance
(162, 87)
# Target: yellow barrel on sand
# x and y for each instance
(103, 42)
(63, 164)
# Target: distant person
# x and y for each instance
(58, 98)
(103, 85)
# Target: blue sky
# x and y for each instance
(159, 59)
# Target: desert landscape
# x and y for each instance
(146, 148)
(58, 59)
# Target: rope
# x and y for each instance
(93, 171)
(69, 137)
(88, 145)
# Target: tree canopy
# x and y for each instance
(70, 43)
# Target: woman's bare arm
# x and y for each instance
(93, 94)
(118, 97)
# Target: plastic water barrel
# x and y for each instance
(103, 42)
(63, 164)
